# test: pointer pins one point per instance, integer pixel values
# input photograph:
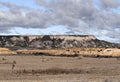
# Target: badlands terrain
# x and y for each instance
(58, 58)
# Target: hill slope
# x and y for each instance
(54, 41)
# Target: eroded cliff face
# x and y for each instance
(54, 41)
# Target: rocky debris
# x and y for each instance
(54, 41)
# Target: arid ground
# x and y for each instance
(59, 69)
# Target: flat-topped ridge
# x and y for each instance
(53, 41)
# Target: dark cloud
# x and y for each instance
(79, 16)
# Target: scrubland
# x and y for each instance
(60, 65)
(59, 69)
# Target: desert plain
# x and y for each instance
(58, 69)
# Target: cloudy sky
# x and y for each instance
(84, 17)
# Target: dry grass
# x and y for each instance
(64, 68)
(7, 61)
(69, 52)
(73, 52)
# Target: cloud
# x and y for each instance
(20, 16)
(79, 16)
(83, 17)
(108, 4)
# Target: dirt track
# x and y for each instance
(88, 69)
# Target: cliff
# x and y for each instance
(54, 41)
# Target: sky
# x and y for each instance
(100, 18)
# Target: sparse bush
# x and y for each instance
(80, 57)
(107, 80)
(3, 59)
(52, 71)
(118, 58)
(14, 62)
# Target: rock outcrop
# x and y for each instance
(54, 41)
